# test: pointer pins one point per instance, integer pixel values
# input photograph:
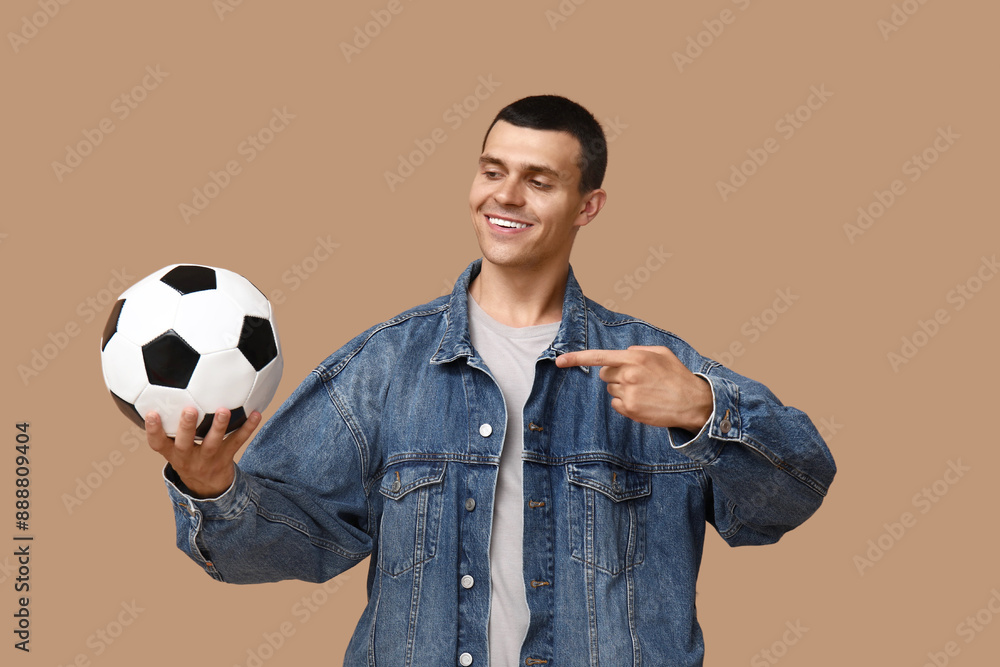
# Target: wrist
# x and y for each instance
(211, 490)
(201, 489)
(702, 405)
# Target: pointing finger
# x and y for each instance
(592, 358)
(658, 349)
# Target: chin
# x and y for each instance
(510, 260)
(504, 259)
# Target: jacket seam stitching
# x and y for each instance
(327, 374)
(780, 464)
(315, 541)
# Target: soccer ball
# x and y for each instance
(191, 335)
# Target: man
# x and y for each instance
(520, 505)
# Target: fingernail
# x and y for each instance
(190, 414)
(254, 417)
(151, 418)
(222, 415)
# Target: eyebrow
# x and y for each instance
(486, 158)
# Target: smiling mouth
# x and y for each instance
(506, 224)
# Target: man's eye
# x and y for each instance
(540, 185)
(491, 174)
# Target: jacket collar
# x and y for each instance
(456, 342)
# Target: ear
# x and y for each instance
(591, 205)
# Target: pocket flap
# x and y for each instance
(401, 478)
(613, 481)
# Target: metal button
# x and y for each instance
(470, 504)
(468, 581)
(724, 426)
(485, 431)
(465, 659)
(395, 486)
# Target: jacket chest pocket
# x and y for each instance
(607, 515)
(411, 515)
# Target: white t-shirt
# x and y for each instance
(510, 354)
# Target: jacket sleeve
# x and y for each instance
(297, 508)
(767, 466)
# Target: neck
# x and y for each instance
(519, 297)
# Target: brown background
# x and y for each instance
(676, 133)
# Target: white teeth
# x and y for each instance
(500, 222)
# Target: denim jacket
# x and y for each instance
(390, 448)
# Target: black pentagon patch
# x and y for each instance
(112, 324)
(129, 411)
(190, 278)
(169, 360)
(257, 341)
(237, 418)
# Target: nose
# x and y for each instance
(509, 193)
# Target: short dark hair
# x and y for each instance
(552, 112)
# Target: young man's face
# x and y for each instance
(525, 200)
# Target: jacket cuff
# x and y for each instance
(723, 425)
(225, 506)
